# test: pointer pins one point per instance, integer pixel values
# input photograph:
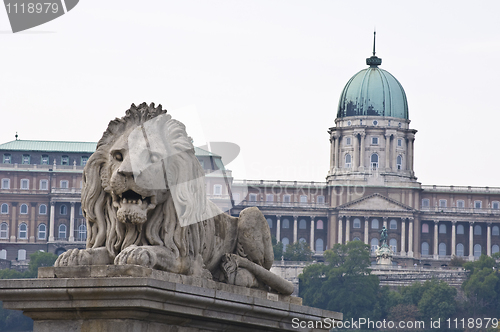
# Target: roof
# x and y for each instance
(373, 92)
(66, 146)
(49, 146)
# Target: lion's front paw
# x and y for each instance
(74, 257)
(137, 256)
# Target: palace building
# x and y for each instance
(370, 183)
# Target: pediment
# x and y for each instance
(376, 202)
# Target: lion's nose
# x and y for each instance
(126, 167)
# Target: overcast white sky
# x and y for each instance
(266, 75)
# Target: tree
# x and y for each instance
(298, 251)
(39, 259)
(277, 249)
(342, 284)
(437, 301)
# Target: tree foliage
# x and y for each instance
(342, 284)
(298, 251)
(277, 249)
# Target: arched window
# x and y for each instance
(442, 229)
(302, 240)
(399, 162)
(347, 160)
(393, 224)
(477, 250)
(63, 209)
(375, 224)
(42, 231)
(285, 242)
(3, 254)
(356, 239)
(495, 249)
(21, 255)
(442, 249)
(62, 231)
(460, 250)
(356, 223)
(425, 228)
(319, 224)
(374, 161)
(82, 232)
(24, 209)
(477, 230)
(319, 245)
(460, 229)
(270, 222)
(425, 249)
(4, 230)
(42, 209)
(393, 243)
(23, 231)
(374, 244)
(286, 223)
(5, 208)
(302, 224)
(495, 230)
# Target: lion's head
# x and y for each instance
(142, 183)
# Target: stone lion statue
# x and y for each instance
(144, 200)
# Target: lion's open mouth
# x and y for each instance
(133, 207)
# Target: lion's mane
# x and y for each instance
(162, 227)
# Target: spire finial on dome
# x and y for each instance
(374, 61)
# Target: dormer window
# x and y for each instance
(64, 160)
(7, 158)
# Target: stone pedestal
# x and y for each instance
(131, 298)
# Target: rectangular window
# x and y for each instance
(400, 142)
(460, 204)
(25, 184)
(442, 203)
(5, 183)
(425, 203)
(287, 199)
(64, 184)
(44, 184)
(269, 198)
(321, 199)
(495, 205)
(252, 197)
(84, 161)
(26, 159)
(348, 141)
(64, 160)
(374, 140)
(7, 158)
(478, 204)
(303, 198)
(217, 189)
(45, 159)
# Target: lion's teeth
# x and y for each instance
(153, 200)
(134, 201)
(139, 202)
(124, 201)
(143, 197)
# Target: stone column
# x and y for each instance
(403, 237)
(384, 222)
(453, 238)
(51, 222)
(347, 229)
(387, 152)
(312, 233)
(355, 161)
(436, 239)
(339, 220)
(410, 237)
(332, 229)
(366, 230)
(394, 153)
(488, 239)
(32, 228)
(471, 240)
(332, 155)
(295, 228)
(13, 225)
(410, 153)
(337, 154)
(72, 223)
(278, 227)
(362, 153)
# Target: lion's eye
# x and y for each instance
(118, 156)
(154, 158)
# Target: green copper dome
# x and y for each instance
(373, 92)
